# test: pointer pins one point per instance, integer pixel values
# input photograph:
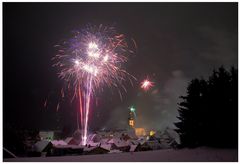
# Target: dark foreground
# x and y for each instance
(191, 155)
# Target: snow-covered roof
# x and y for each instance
(118, 142)
(41, 145)
(58, 142)
(91, 136)
(105, 140)
(110, 141)
(141, 141)
(68, 139)
(93, 143)
(168, 133)
(106, 146)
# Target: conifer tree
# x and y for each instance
(208, 113)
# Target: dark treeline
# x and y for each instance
(208, 114)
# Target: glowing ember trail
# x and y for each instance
(146, 84)
(89, 60)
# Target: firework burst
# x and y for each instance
(89, 60)
(146, 84)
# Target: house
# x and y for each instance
(93, 144)
(94, 137)
(141, 141)
(70, 141)
(43, 147)
(76, 149)
(106, 146)
(119, 144)
(140, 132)
(125, 137)
(153, 144)
(104, 140)
(145, 147)
(134, 148)
(95, 150)
(58, 142)
(132, 134)
(60, 150)
(168, 138)
(77, 136)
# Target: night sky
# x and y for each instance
(175, 43)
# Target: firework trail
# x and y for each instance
(91, 59)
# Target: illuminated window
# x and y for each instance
(131, 122)
(152, 133)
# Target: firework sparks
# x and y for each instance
(90, 59)
(146, 84)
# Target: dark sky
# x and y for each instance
(176, 42)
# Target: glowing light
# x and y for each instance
(105, 58)
(91, 69)
(132, 109)
(77, 62)
(146, 84)
(140, 132)
(152, 133)
(94, 54)
(92, 45)
(131, 123)
(90, 50)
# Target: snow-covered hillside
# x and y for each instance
(199, 154)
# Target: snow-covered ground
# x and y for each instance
(199, 154)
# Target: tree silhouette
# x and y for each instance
(208, 114)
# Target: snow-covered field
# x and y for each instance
(199, 154)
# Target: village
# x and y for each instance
(101, 142)
(132, 139)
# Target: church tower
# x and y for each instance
(131, 119)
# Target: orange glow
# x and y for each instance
(131, 123)
(140, 132)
